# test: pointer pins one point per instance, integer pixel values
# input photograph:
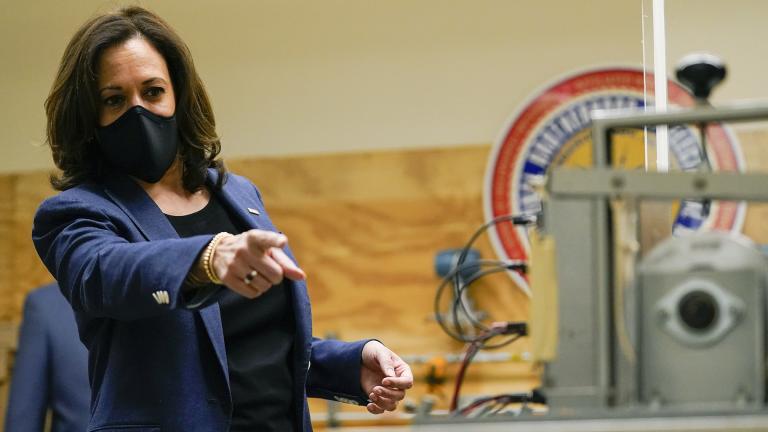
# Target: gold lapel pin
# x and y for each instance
(253, 211)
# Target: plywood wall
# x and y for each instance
(365, 227)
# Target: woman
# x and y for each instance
(194, 313)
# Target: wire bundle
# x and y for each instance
(495, 404)
(478, 269)
(516, 330)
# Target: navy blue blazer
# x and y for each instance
(158, 362)
(51, 368)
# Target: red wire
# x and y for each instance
(469, 408)
(472, 349)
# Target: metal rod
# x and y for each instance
(660, 83)
(608, 183)
(603, 120)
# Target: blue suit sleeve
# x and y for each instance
(29, 393)
(100, 272)
(334, 371)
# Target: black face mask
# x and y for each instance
(140, 143)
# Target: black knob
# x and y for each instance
(698, 310)
(700, 73)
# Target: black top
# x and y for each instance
(258, 336)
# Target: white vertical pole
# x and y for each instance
(660, 81)
(645, 82)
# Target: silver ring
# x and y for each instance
(250, 277)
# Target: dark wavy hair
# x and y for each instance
(72, 107)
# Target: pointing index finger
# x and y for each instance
(290, 269)
(263, 240)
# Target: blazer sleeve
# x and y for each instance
(334, 371)
(29, 393)
(102, 273)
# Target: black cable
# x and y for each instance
(480, 269)
(498, 266)
(459, 333)
(459, 285)
(515, 219)
(503, 266)
(502, 400)
(497, 407)
(463, 287)
(502, 344)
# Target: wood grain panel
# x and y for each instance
(754, 146)
(30, 189)
(7, 226)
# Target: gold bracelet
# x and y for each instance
(207, 258)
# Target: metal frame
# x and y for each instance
(598, 185)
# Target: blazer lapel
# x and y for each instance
(154, 225)
(238, 198)
(140, 208)
(238, 202)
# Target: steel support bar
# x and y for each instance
(610, 183)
